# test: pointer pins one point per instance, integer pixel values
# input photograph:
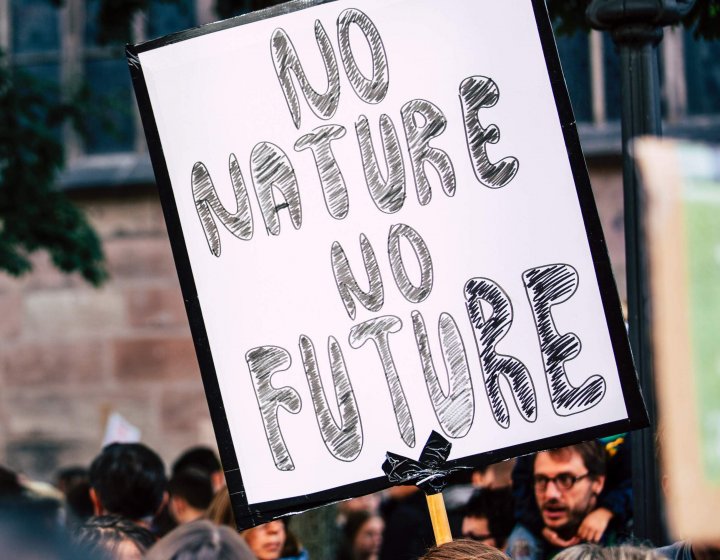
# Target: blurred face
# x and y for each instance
(477, 529)
(266, 541)
(564, 491)
(369, 538)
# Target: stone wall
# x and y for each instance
(70, 354)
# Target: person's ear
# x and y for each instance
(217, 479)
(177, 507)
(97, 505)
(598, 484)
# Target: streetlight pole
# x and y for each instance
(637, 28)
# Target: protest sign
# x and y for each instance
(682, 184)
(383, 227)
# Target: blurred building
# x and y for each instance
(71, 354)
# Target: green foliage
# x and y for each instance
(33, 215)
(704, 19)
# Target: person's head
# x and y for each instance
(204, 459)
(68, 477)
(114, 536)
(488, 517)
(567, 482)
(191, 493)
(127, 479)
(200, 540)
(78, 505)
(267, 540)
(497, 475)
(630, 552)
(585, 551)
(362, 535)
(464, 549)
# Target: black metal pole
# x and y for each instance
(636, 27)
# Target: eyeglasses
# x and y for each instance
(563, 481)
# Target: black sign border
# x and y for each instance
(248, 515)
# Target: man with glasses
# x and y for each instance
(566, 483)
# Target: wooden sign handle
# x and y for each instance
(439, 518)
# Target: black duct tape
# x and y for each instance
(430, 472)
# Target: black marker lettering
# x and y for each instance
(370, 90)
(387, 194)
(286, 61)
(344, 440)
(455, 410)
(488, 332)
(331, 179)
(347, 286)
(412, 293)
(263, 362)
(378, 331)
(547, 286)
(239, 223)
(423, 121)
(479, 92)
(271, 169)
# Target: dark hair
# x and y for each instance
(584, 551)
(201, 540)
(199, 457)
(68, 477)
(464, 549)
(495, 505)
(353, 523)
(587, 551)
(129, 480)
(78, 505)
(592, 453)
(106, 533)
(194, 486)
(9, 484)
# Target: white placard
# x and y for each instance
(433, 170)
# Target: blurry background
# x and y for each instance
(72, 353)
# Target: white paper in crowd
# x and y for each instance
(383, 227)
(120, 430)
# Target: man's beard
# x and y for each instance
(574, 519)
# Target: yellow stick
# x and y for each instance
(439, 518)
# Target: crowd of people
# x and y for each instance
(572, 503)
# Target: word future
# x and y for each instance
(455, 409)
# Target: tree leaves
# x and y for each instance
(33, 215)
